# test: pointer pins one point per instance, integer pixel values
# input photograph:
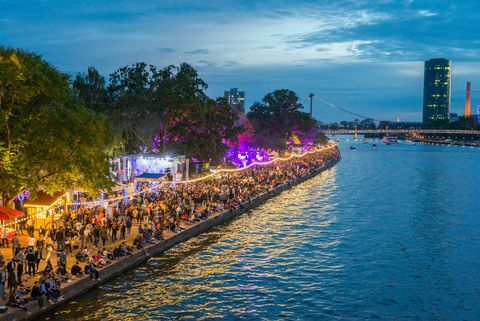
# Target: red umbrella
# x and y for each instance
(9, 213)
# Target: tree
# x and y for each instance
(48, 139)
(90, 88)
(190, 121)
(278, 114)
(132, 108)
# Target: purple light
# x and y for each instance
(246, 156)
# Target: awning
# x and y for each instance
(148, 177)
(43, 199)
(9, 213)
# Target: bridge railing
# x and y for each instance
(400, 131)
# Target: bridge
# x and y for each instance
(400, 131)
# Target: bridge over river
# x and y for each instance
(401, 131)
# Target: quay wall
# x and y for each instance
(83, 285)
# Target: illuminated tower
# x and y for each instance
(467, 102)
(436, 90)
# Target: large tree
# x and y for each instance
(132, 108)
(91, 88)
(48, 139)
(190, 121)
(279, 114)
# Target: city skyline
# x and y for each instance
(361, 55)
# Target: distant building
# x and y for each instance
(367, 123)
(454, 117)
(235, 98)
(436, 90)
(467, 101)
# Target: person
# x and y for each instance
(40, 245)
(5, 237)
(20, 264)
(12, 275)
(104, 235)
(96, 235)
(94, 274)
(15, 300)
(76, 269)
(60, 238)
(31, 242)
(36, 294)
(30, 228)
(114, 231)
(38, 258)
(3, 279)
(15, 244)
(31, 262)
(62, 260)
(123, 230)
(128, 223)
(49, 247)
(41, 231)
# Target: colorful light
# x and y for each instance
(329, 146)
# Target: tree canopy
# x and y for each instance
(48, 139)
(165, 109)
(279, 115)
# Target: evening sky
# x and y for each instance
(366, 56)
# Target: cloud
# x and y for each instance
(198, 52)
(427, 13)
(363, 54)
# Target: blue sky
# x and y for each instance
(366, 56)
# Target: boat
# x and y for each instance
(388, 139)
(374, 145)
(353, 147)
(365, 141)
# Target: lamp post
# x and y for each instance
(311, 103)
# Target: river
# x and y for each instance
(388, 233)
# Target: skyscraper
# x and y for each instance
(235, 98)
(437, 90)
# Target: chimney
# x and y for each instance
(467, 103)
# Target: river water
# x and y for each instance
(388, 233)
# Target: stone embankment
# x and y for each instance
(84, 284)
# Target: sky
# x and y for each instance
(365, 56)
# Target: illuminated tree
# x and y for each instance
(48, 139)
(279, 114)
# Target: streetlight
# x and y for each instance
(311, 102)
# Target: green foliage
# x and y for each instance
(279, 115)
(90, 88)
(166, 109)
(48, 139)
(190, 121)
(131, 95)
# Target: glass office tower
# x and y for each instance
(437, 90)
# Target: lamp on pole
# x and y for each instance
(311, 102)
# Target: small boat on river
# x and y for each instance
(388, 139)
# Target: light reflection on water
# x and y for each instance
(387, 234)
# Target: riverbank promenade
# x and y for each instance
(150, 224)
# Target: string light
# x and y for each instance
(330, 145)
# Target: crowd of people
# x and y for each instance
(95, 237)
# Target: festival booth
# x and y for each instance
(46, 208)
(8, 218)
(149, 169)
